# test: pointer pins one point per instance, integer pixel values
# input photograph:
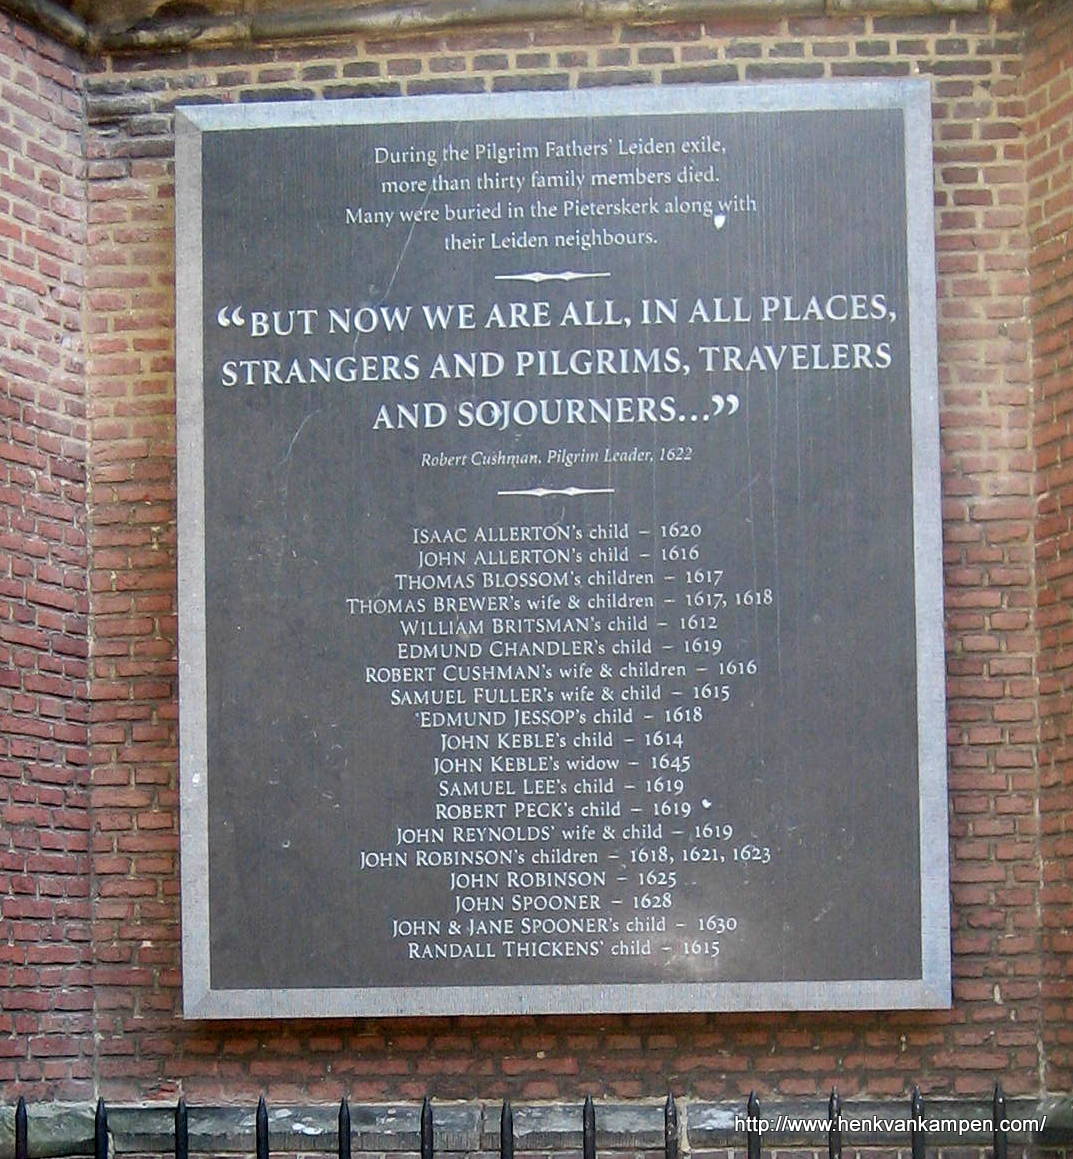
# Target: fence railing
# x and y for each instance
(748, 1128)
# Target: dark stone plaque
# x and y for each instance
(560, 592)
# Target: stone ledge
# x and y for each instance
(237, 25)
(472, 1128)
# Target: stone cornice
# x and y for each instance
(336, 18)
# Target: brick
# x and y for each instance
(42, 794)
(1003, 162)
(1051, 300)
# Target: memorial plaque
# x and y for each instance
(560, 583)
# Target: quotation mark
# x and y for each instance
(230, 316)
(726, 402)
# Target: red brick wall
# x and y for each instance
(132, 584)
(46, 1032)
(1004, 161)
(993, 1030)
(1049, 133)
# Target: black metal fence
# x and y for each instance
(752, 1136)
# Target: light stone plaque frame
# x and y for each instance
(932, 988)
